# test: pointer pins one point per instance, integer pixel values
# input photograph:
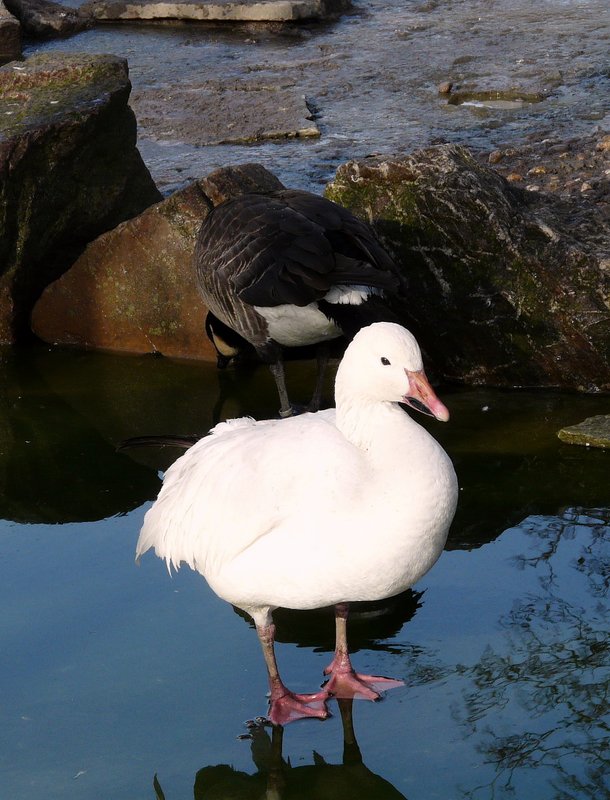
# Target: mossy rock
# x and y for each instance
(69, 170)
(592, 432)
(503, 288)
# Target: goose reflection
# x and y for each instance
(54, 463)
(373, 625)
(276, 779)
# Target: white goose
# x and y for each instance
(316, 510)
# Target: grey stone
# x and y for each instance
(10, 35)
(592, 432)
(221, 113)
(44, 19)
(69, 170)
(215, 10)
(506, 287)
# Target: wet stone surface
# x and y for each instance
(234, 112)
(44, 19)
(577, 167)
(10, 36)
(373, 78)
(223, 10)
(592, 432)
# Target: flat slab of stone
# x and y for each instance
(215, 10)
(217, 113)
(592, 432)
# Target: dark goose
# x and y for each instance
(290, 269)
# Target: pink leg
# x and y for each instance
(286, 706)
(344, 682)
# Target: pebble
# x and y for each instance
(578, 167)
(604, 145)
(445, 87)
(495, 157)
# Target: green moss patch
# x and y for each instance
(592, 432)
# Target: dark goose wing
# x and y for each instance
(288, 247)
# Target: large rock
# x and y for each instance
(44, 19)
(69, 170)
(507, 287)
(215, 10)
(10, 35)
(134, 289)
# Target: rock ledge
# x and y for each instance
(215, 10)
(592, 432)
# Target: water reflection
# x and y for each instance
(511, 465)
(506, 660)
(62, 414)
(371, 624)
(550, 674)
(54, 465)
(277, 779)
(529, 717)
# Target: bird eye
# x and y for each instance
(385, 361)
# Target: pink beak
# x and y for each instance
(422, 397)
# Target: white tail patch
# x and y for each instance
(297, 326)
(351, 295)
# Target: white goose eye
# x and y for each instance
(385, 361)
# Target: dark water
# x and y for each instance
(112, 673)
(372, 79)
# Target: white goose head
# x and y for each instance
(383, 363)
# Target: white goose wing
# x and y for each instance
(243, 481)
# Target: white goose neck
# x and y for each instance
(364, 422)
